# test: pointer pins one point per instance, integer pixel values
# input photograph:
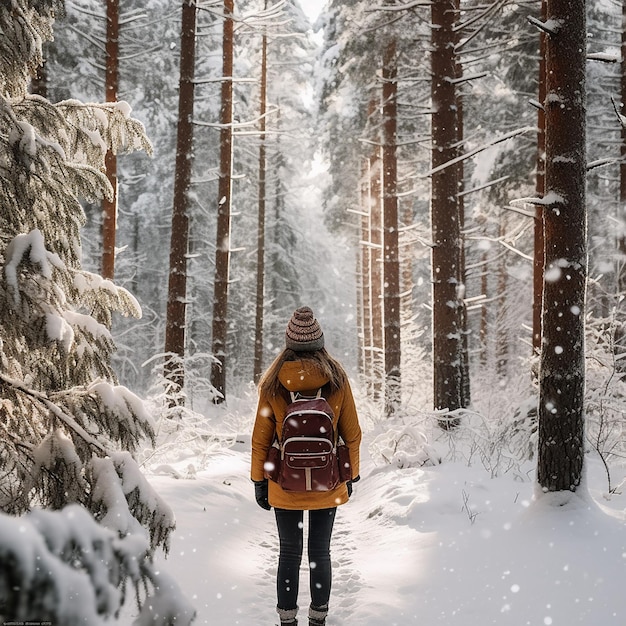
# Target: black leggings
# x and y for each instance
(290, 532)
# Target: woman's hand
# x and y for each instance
(349, 484)
(260, 493)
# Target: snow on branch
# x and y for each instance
(31, 246)
(467, 78)
(469, 155)
(604, 57)
(130, 419)
(24, 30)
(549, 198)
(271, 16)
(414, 4)
(620, 117)
(128, 501)
(118, 131)
(552, 27)
(75, 457)
(68, 420)
(65, 568)
(592, 165)
(101, 296)
(486, 185)
(55, 456)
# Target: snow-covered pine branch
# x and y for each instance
(65, 568)
(24, 27)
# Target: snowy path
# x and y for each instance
(445, 545)
(225, 549)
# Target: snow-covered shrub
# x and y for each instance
(64, 568)
(404, 445)
(498, 431)
(523, 432)
(183, 417)
(485, 439)
(68, 429)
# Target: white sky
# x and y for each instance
(312, 8)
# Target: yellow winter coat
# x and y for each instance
(304, 377)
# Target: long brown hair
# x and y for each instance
(327, 365)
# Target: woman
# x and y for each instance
(303, 367)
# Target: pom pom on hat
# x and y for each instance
(304, 333)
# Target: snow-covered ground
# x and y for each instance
(445, 544)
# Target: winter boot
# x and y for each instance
(317, 615)
(288, 616)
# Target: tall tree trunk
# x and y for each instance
(620, 335)
(222, 244)
(391, 262)
(501, 330)
(177, 284)
(622, 167)
(367, 258)
(365, 277)
(109, 206)
(466, 395)
(539, 253)
(260, 264)
(446, 235)
(376, 238)
(562, 373)
(484, 311)
(406, 264)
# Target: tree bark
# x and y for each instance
(177, 284)
(620, 335)
(484, 311)
(562, 373)
(501, 330)
(260, 271)
(222, 244)
(391, 261)
(622, 167)
(466, 392)
(445, 222)
(109, 206)
(365, 277)
(539, 253)
(376, 238)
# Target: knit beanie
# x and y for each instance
(304, 333)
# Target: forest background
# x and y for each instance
(319, 135)
(329, 188)
(323, 133)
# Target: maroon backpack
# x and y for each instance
(308, 446)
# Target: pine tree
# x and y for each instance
(68, 427)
